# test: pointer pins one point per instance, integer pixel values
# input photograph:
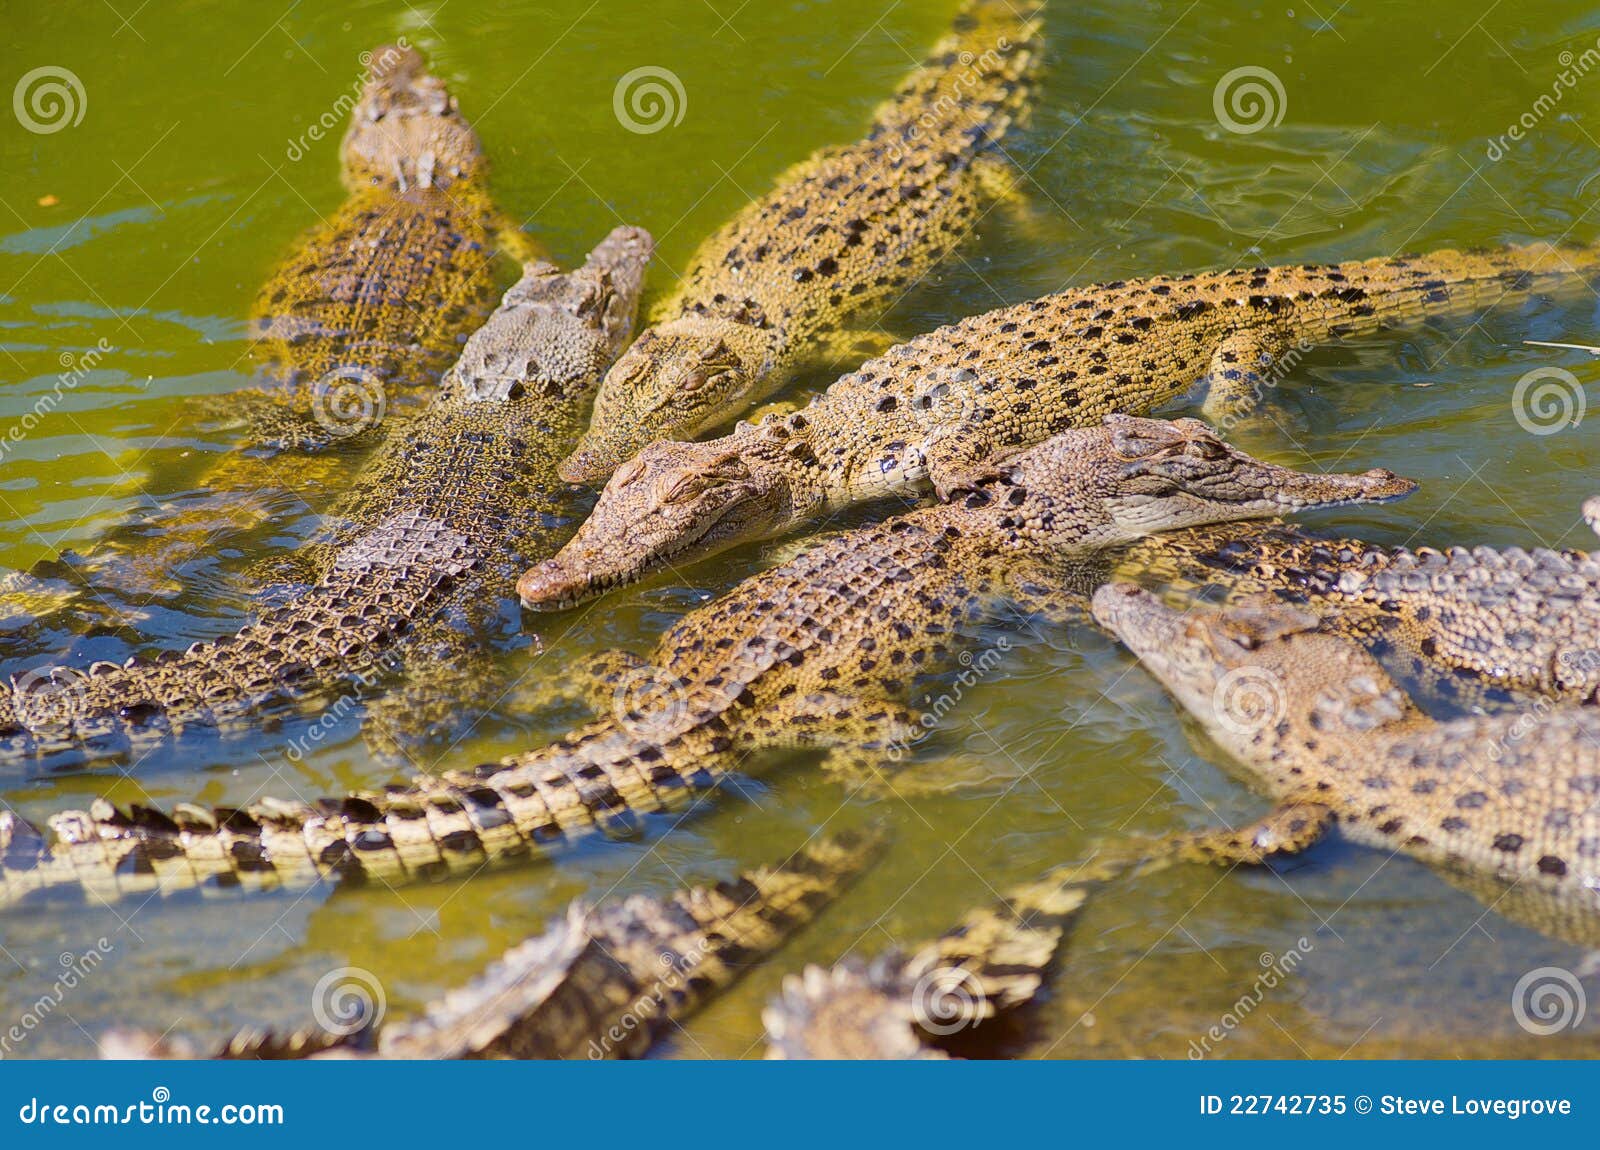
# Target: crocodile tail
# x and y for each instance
(736, 922)
(904, 1006)
(974, 82)
(598, 779)
(628, 968)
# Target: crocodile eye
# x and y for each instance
(1207, 447)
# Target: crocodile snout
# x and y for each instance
(1381, 483)
(550, 586)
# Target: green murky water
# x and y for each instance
(150, 223)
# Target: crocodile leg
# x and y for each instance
(1291, 827)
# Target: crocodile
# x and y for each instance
(842, 235)
(918, 1005)
(607, 981)
(935, 407)
(1479, 626)
(1317, 723)
(815, 655)
(421, 554)
(359, 321)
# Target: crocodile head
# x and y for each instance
(555, 331)
(1133, 477)
(406, 131)
(1257, 673)
(679, 379)
(671, 499)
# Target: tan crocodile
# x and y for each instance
(817, 653)
(920, 1005)
(361, 320)
(607, 981)
(1317, 724)
(420, 556)
(1480, 626)
(934, 408)
(843, 234)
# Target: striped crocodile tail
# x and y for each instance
(974, 82)
(916, 1006)
(603, 982)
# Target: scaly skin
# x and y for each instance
(1473, 624)
(814, 653)
(362, 319)
(431, 530)
(1318, 724)
(934, 408)
(842, 235)
(601, 982)
(912, 1005)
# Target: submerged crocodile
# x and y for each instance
(844, 233)
(423, 551)
(1479, 625)
(363, 317)
(816, 653)
(600, 982)
(1319, 725)
(932, 409)
(918, 1005)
